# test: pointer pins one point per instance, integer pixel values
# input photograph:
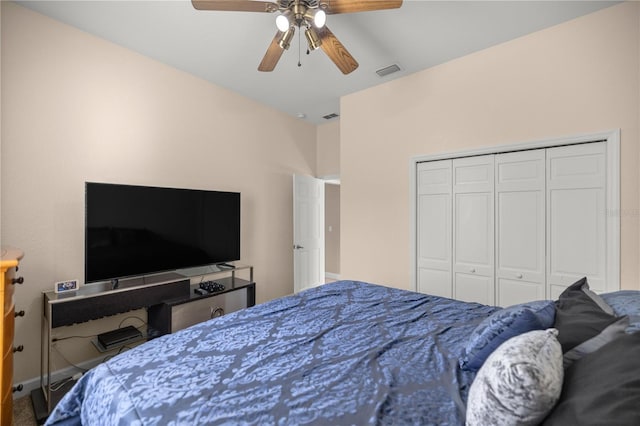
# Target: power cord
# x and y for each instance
(60, 384)
(133, 317)
(83, 370)
(59, 339)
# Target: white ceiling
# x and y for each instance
(226, 47)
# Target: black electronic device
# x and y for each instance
(138, 230)
(212, 286)
(119, 337)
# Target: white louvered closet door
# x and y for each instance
(520, 227)
(473, 229)
(576, 216)
(434, 249)
(508, 228)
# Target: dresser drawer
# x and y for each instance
(7, 388)
(8, 290)
(8, 329)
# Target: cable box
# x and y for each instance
(119, 337)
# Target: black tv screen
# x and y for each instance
(139, 230)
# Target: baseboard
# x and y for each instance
(332, 276)
(34, 383)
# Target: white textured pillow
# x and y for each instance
(519, 383)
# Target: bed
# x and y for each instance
(343, 353)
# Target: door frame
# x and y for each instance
(612, 139)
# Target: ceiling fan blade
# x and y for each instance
(336, 51)
(333, 7)
(235, 5)
(271, 58)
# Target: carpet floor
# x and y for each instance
(23, 412)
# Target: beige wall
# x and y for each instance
(579, 77)
(328, 150)
(76, 108)
(328, 157)
(332, 228)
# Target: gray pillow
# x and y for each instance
(519, 383)
(597, 299)
(612, 331)
(579, 316)
(603, 388)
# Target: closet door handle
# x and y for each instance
(518, 275)
(472, 270)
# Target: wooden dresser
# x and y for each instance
(8, 265)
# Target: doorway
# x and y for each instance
(332, 229)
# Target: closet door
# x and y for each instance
(520, 227)
(473, 229)
(576, 216)
(434, 251)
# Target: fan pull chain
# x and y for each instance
(299, 46)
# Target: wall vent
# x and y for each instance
(383, 72)
(330, 116)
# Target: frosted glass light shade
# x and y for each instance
(282, 22)
(319, 19)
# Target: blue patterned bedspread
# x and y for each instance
(340, 354)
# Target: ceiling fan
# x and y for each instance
(306, 15)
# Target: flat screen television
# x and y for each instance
(139, 230)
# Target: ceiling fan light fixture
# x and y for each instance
(319, 18)
(316, 16)
(312, 39)
(285, 40)
(283, 21)
(310, 14)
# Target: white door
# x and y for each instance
(520, 227)
(308, 232)
(473, 229)
(576, 216)
(434, 251)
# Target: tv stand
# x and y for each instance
(168, 298)
(91, 302)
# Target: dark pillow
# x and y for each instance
(579, 315)
(611, 332)
(603, 388)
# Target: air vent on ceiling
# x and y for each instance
(383, 72)
(330, 116)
